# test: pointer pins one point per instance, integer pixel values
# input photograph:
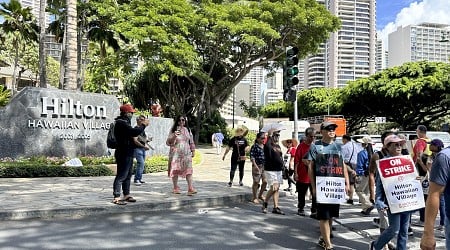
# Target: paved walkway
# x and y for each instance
(24, 198)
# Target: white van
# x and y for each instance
(412, 137)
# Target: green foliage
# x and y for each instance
(52, 72)
(279, 109)
(251, 111)
(411, 94)
(210, 126)
(26, 170)
(5, 94)
(318, 101)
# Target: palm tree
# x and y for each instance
(42, 54)
(19, 24)
(71, 76)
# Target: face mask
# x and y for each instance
(130, 115)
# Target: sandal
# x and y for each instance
(119, 202)
(130, 199)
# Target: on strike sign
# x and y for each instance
(403, 191)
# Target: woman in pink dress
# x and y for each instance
(182, 149)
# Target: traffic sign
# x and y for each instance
(380, 119)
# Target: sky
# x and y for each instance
(395, 13)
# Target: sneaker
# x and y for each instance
(313, 216)
(301, 213)
(137, 183)
(367, 211)
(142, 182)
(371, 245)
(391, 246)
(230, 184)
(287, 189)
(277, 210)
(410, 231)
(241, 184)
(350, 201)
(264, 207)
(321, 243)
(418, 223)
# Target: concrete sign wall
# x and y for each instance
(52, 122)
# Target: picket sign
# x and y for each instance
(402, 188)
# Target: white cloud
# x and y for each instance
(435, 11)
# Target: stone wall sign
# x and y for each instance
(52, 122)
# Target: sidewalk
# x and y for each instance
(24, 198)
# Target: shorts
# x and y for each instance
(258, 173)
(327, 211)
(273, 177)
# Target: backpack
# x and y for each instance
(111, 141)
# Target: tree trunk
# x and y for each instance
(62, 61)
(71, 78)
(42, 52)
(16, 65)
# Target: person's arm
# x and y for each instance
(228, 148)
(428, 241)
(347, 180)
(139, 144)
(372, 172)
(419, 148)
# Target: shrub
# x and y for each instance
(24, 170)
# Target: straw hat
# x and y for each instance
(285, 142)
(240, 131)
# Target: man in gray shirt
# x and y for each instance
(350, 152)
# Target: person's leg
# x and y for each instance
(139, 154)
(325, 232)
(190, 182)
(442, 211)
(263, 186)
(402, 236)
(361, 189)
(121, 174)
(129, 172)
(301, 191)
(389, 232)
(313, 201)
(176, 189)
(422, 211)
(241, 172)
(232, 171)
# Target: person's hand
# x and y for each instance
(145, 122)
(223, 158)
(427, 243)
(177, 132)
(295, 176)
(146, 147)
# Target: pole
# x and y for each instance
(295, 136)
(234, 97)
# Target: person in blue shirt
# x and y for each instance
(217, 140)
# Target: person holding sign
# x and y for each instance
(329, 180)
(398, 192)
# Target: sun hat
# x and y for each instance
(365, 140)
(393, 138)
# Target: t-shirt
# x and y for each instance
(440, 174)
(302, 169)
(327, 159)
(273, 160)
(238, 144)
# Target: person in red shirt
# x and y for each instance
(301, 172)
(291, 145)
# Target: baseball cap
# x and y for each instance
(393, 138)
(436, 142)
(327, 124)
(127, 108)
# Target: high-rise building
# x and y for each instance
(349, 54)
(380, 56)
(417, 43)
(34, 5)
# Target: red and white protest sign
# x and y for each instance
(399, 177)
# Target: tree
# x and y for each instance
(71, 73)
(251, 110)
(5, 94)
(318, 101)
(209, 46)
(411, 94)
(21, 27)
(42, 53)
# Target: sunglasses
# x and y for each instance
(182, 120)
(396, 145)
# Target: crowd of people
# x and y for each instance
(330, 171)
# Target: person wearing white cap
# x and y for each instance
(362, 174)
(398, 222)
